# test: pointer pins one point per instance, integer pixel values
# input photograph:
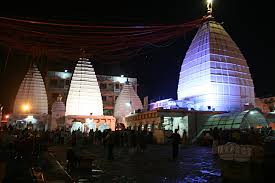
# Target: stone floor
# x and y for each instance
(195, 164)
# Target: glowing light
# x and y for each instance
(120, 79)
(26, 107)
(252, 112)
(66, 70)
(77, 126)
(103, 127)
(30, 117)
(90, 124)
(209, 1)
(122, 76)
(7, 116)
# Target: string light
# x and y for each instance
(103, 42)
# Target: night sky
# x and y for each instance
(249, 24)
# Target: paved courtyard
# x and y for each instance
(195, 164)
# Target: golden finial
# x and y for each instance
(209, 7)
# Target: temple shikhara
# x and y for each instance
(84, 107)
(84, 96)
(214, 73)
(31, 104)
(31, 96)
(127, 103)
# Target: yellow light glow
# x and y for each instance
(29, 117)
(7, 116)
(209, 1)
(26, 107)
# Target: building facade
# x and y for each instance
(169, 120)
(110, 87)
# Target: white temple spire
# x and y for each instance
(84, 97)
(126, 103)
(214, 73)
(31, 96)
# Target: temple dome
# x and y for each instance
(84, 97)
(58, 105)
(127, 102)
(31, 93)
(214, 73)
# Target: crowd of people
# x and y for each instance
(25, 143)
(132, 140)
(28, 143)
(21, 143)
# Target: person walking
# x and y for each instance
(70, 160)
(110, 144)
(175, 144)
(216, 139)
(184, 138)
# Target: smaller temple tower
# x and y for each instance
(31, 104)
(127, 102)
(58, 113)
(31, 97)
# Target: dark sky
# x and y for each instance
(248, 23)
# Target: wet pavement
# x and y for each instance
(195, 164)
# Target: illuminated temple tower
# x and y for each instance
(214, 73)
(127, 102)
(31, 96)
(84, 96)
